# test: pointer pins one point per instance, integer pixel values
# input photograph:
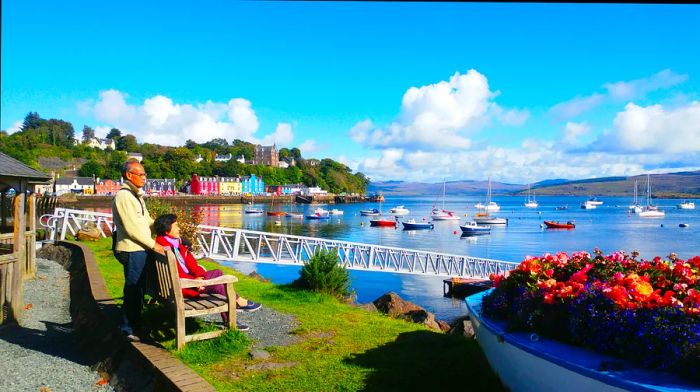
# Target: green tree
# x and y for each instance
(88, 134)
(127, 143)
(114, 133)
(31, 121)
(91, 168)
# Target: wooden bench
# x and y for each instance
(170, 286)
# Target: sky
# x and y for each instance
(400, 91)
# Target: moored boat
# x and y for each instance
(372, 212)
(411, 224)
(558, 225)
(486, 219)
(336, 211)
(531, 203)
(587, 205)
(442, 213)
(383, 222)
(253, 210)
(651, 211)
(399, 211)
(561, 208)
(472, 228)
(686, 205)
(595, 201)
(318, 213)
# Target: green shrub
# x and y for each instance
(323, 274)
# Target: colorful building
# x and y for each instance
(226, 185)
(160, 187)
(230, 186)
(79, 185)
(253, 185)
(106, 186)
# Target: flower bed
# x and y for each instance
(646, 312)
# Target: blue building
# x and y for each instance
(253, 184)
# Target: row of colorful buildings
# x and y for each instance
(208, 186)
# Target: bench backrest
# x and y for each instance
(168, 280)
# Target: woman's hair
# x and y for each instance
(164, 223)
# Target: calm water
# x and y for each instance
(608, 227)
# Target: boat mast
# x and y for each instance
(443, 194)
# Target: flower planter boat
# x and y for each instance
(557, 225)
(525, 362)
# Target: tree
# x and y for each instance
(127, 143)
(190, 144)
(88, 134)
(114, 133)
(31, 121)
(91, 168)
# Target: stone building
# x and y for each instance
(266, 155)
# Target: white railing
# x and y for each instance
(224, 243)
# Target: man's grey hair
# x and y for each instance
(131, 162)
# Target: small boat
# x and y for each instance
(651, 211)
(486, 219)
(294, 215)
(686, 205)
(635, 207)
(562, 208)
(372, 212)
(683, 225)
(399, 211)
(336, 211)
(472, 228)
(557, 225)
(490, 206)
(587, 205)
(531, 203)
(383, 222)
(252, 210)
(595, 201)
(411, 224)
(442, 213)
(276, 213)
(318, 213)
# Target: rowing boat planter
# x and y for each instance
(527, 362)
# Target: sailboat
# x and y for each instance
(275, 213)
(383, 222)
(490, 205)
(251, 209)
(635, 207)
(442, 213)
(650, 211)
(292, 211)
(531, 203)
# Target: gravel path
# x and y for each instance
(267, 327)
(43, 355)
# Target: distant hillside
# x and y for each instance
(683, 184)
(399, 188)
(680, 185)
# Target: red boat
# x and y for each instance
(383, 223)
(557, 225)
(276, 213)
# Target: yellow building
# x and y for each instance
(229, 186)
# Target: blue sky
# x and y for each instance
(411, 91)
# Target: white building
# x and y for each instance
(223, 158)
(135, 155)
(282, 164)
(80, 185)
(102, 144)
(241, 159)
(199, 158)
(314, 190)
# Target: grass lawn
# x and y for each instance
(341, 348)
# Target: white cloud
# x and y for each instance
(308, 147)
(439, 116)
(573, 131)
(160, 120)
(576, 106)
(623, 91)
(15, 127)
(655, 129)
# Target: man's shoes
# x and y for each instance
(242, 327)
(251, 307)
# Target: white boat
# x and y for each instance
(651, 211)
(318, 213)
(252, 210)
(686, 205)
(526, 362)
(486, 219)
(490, 206)
(595, 201)
(442, 213)
(587, 205)
(399, 211)
(336, 211)
(531, 203)
(635, 207)
(372, 212)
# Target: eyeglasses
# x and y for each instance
(142, 175)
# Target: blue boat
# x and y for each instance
(413, 225)
(372, 212)
(471, 228)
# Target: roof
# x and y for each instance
(84, 181)
(10, 167)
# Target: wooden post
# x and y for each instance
(17, 292)
(30, 265)
(3, 217)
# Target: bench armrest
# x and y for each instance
(189, 283)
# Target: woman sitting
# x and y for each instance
(168, 232)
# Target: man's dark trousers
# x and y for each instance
(134, 277)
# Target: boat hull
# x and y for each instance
(557, 225)
(276, 213)
(466, 230)
(491, 221)
(417, 226)
(525, 362)
(382, 223)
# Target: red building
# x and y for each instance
(204, 185)
(106, 187)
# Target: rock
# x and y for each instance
(259, 355)
(468, 329)
(462, 326)
(58, 254)
(444, 326)
(257, 276)
(369, 307)
(393, 305)
(89, 232)
(422, 316)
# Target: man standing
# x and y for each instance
(132, 242)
